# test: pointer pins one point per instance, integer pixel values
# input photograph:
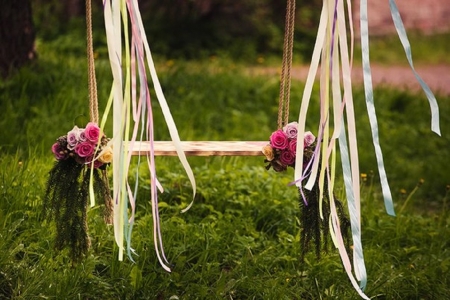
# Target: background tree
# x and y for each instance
(16, 35)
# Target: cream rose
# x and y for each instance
(106, 155)
(268, 152)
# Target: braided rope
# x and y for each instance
(285, 81)
(92, 84)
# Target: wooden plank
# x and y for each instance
(202, 148)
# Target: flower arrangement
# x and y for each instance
(280, 154)
(281, 151)
(84, 145)
(82, 156)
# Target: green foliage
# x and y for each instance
(240, 29)
(193, 29)
(42, 96)
(66, 200)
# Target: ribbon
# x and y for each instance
(331, 51)
(299, 174)
(114, 41)
(367, 78)
(350, 166)
(131, 112)
(407, 47)
(164, 106)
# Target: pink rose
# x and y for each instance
(287, 157)
(293, 146)
(279, 139)
(92, 132)
(59, 151)
(309, 139)
(84, 149)
(291, 130)
(73, 137)
(82, 137)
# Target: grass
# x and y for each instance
(240, 240)
(425, 49)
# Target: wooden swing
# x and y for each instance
(201, 148)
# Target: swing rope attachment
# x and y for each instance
(93, 109)
(285, 80)
(92, 83)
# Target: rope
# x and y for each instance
(285, 81)
(92, 84)
(93, 107)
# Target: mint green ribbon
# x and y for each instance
(367, 74)
(407, 47)
(351, 202)
(369, 91)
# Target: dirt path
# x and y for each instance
(436, 76)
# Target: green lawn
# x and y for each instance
(241, 239)
(425, 49)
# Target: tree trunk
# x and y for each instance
(16, 35)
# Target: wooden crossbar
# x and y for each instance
(202, 148)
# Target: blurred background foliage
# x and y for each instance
(196, 28)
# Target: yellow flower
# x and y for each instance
(106, 155)
(363, 177)
(268, 152)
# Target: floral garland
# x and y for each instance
(280, 154)
(82, 156)
(281, 151)
(84, 145)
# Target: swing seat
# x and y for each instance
(201, 148)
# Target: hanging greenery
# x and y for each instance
(82, 157)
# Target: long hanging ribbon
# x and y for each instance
(331, 40)
(338, 30)
(369, 92)
(350, 167)
(132, 112)
(299, 170)
(114, 42)
(407, 47)
(367, 78)
(163, 103)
